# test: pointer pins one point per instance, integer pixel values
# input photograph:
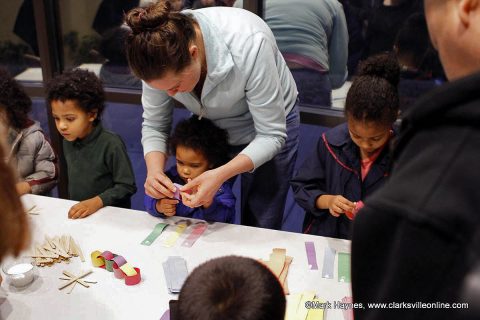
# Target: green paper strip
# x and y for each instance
(343, 267)
(159, 227)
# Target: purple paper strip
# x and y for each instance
(311, 255)
(166, 315)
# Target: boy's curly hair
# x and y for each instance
(15, 101)
(81, 86)
(202, 135)
(373, 95)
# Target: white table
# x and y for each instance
(121, 231)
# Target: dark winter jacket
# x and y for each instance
(414, 241)
(333, 168)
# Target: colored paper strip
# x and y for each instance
(343, 267)
(347, 313)
(128, 269)
(316, 313)
(197, 231)
(302, 312)
(175, 270)
(135, 279)
(328, 263)
(293, 303)
(159, 227)
(97, 260)
(311, 255)
(175, 235)
(166, 315)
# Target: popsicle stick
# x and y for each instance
(74, 280)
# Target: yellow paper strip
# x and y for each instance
(97, 259)
(293, 302)
(128, 269)
(170, 241)
(314, 313)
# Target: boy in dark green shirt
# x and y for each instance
(99, 170)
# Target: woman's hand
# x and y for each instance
(202, 189)
(158, 186)
(167, 206)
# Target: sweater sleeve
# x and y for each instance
(310, 181)
(45, 173)
(338, 49)
(122, 174)
(157, 119)
(264, 95)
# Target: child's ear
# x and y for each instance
(92, 115)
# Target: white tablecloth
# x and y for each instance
(121, 231)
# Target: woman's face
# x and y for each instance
(368, 136)
(183, 81)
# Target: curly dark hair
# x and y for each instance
(202, 135)
(373, 95)
(14, 101)
(79, 85)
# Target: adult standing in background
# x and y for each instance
(313, 37)
(419, 236)
(222, 64)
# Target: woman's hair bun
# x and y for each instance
(382, 66)
(148, 18)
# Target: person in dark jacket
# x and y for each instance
(198, 145)
(351, 161)
(416, 239)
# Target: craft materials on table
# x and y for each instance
(175, 270)
(279, 263)
(33, 211)
(118, 265)
(304, 306)
(73, 280)
(328, 263)
(159, 228)
(198, 229)
(181, 225)
(343, 267)
(347, 312)
(311, 255)
(19, 273)
(57, 249)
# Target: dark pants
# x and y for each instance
(314, 88)
(263, 192)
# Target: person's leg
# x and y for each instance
(264, 191)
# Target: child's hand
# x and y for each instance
(167, 206)
(85, 208)
(337, 205)
(23, 188)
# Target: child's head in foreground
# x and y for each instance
(77, 100)
(198, 145)
(231, 288)
(372, 103)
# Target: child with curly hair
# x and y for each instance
(198, 145)
(99, 170)
(29, 150)
(351, 161)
